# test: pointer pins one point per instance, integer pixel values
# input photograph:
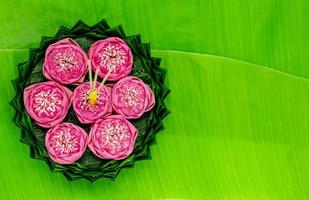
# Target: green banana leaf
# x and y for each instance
(239, 122)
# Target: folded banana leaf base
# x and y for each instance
(145, 67)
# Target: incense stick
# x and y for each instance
(90, 74)
(106, 76)
(95, 78)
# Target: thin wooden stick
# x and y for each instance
(95, 78)
(90, 74)
(106, 76)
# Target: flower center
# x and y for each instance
(130, 97)
(65, 61)
(112, 54)
(46, 102)
(64, 142)
(114, 135)
(91, 101)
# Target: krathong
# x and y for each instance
(116, 110)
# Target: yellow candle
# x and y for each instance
(93, 97)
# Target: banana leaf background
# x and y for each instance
(239, 122)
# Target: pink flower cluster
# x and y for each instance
(112, 136)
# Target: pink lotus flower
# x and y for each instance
(111, 52)
(87, 112)
(47, 103)
(66, 143)
(65, 62)
(131, 97)
(112, 138)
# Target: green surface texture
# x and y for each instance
(239, 122)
